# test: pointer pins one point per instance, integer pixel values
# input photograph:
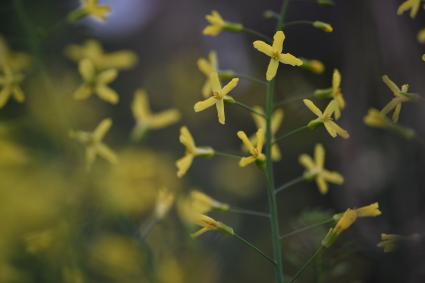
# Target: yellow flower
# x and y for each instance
(96, 82)
(371, 210)
(90, 8)
(335, 93)
(389, 242)
(325, 118)
(315, 170)
(93, 143)
(376, 119)
(146, 120)
(412, 5)
(16, 61)
(203, 203)
(10, 86)
(192, 151)
(314, 66)
(217, 25)
(346, 220)
(323, 26)
(220, 95)
(207, 67)
(276, 55)
(209, 224)
(396, 102)
(93, 50)
(255, 151)
(421, 36)
(260, 122)
(164, 202)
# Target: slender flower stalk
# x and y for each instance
(248, 212)
(290, 184)
(247, 243)
(293, 132)
(306, 228)
(306, 264)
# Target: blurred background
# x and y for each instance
(59, 223)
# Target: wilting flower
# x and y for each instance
(93, 50)
(255, 151)
(325, 118)
(96, 82)
(146, 120)
(16, 61)
(371, 210)
(389, 242)
(164, 202)
(209, 224)
(323, 26)
(219, 96)
(260, 122)
(10, 82)
(90, 8)
(314, 66)
(315, 170)
(400, 97)
(276, 55)
(412, 5)
(217, 25)
(93, 142)
(192, 151)
(203, 203)
(346, 220)
(376, 119)
(207, 67)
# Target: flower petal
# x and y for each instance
(230, 86)
(101, 130)
(290, 59)
(313, 108)
(307, 162)
(245, 161)
(183, 164)
(272, 69)
(220, 111)
(319, 155)
(278, 39)
(333, 177)
(107, 94)
(263, 47)
(202, 105)
(322, 185)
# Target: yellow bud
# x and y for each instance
(371, 210)
(323, 26)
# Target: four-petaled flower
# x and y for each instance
(315, 170)
(325, 118)
(209, 224)
(145, 119)
(260, 122)
(93, 143)
(398, 100)
(412, 5)
(219, 95)
(192, 151)
(255, 151)
(10, 83)
(276, 55)
(96, 82)
(91, 8)
(207, 67)
(217, 25)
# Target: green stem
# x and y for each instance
(257, 34)
(248, 212)
(306, 264)
(293, 132)
(228, 155)
(292, 99)
(249, 108)
(290, 184)
(254, 248)
(297, 23)
(306, 228)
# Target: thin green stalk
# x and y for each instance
(292, 99)
(248, 212)
(290, 184)
(306, 228)
(306, 264)
(293, 132)
(254, 248)
(228, 155)
(249, 78)
(249, 108)
(297, 23)
(256, 34)
(147, 227)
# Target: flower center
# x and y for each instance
(218, 95)
(275, 55)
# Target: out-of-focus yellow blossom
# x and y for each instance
(323, 26)
(217, 25)
(421, 36)
(314, 66)
(92, 49)
(202, 203)
(164, 202)
(398, 100)
(209, 224)
(335, 93)
(315, 170)
(325, 118)
(255, 151)
(260, 122)
(376, 119)
(276, 55)
(93, 143)
(207, 67)
(96, 82)
(346, 220)
(90, 8)
(371, 210)
(192, 151)
(389, 242)
(412, 5)
(10, 82)
(219, 96)
(146, 120)
(16, 61)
